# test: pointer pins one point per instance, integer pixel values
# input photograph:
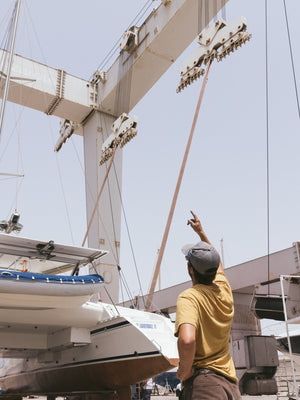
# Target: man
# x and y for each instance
(147, 389)
(203, 322)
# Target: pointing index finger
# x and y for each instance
(193, 214)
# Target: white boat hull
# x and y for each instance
(126, 347)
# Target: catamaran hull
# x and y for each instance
(87, 378)
(125, 347)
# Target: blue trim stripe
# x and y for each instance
(29, 276)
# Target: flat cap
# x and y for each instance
(204, 257)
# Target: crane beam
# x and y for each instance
(47, 89)
(165, 34)
(265, 276)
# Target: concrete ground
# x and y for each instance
(173, 397)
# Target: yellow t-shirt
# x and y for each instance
(209, 308)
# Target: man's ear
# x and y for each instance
(191, 271)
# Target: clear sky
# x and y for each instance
(225, 178)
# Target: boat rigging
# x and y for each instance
(11, 225)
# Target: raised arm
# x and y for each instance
(197, 227)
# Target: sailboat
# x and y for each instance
(91, 356)
(54, 340)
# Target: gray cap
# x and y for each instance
(204, 258)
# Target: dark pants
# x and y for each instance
(207, 385)
(146, 393)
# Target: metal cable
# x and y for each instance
(112, 302)
(224, 9)
(11, 135)
(140, 18)
(123, 280)
(121, 286)
(7, 44)
(122, 96)
(12, 41)
(90, 191)
(50, 126)
(129, 236)
(8, 12)
(112, 217)
(62, 187)
(98, 198)
(267, 140)
(292, 58)
(18, 166)
(110, 200)
(123, 100)
(14, 201)
(113, 248)
(115, 47)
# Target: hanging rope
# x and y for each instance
(167, 229)
(98, 198)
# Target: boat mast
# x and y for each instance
(10, 59)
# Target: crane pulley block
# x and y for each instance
(235, 41)
(12, 224)
(216, 42)
(99, 76)
(129, 41)
(124, 129)
(67, 128)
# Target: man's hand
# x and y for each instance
(196, 225)
(183, 375)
